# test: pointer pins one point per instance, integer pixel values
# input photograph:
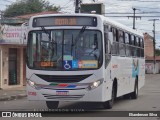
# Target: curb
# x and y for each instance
(13, 97)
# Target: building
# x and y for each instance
(149, 53)
(148, 45)
(13, 39)
(150, 64)
(12, 54)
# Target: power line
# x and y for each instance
(64, 6)
(140, 0)
(132, 13)
(132, 16)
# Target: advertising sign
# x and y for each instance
(13, 34)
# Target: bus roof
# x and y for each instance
(105, 19)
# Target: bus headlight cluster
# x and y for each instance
(31, 83)
(95, 84)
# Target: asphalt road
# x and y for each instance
(148, 100)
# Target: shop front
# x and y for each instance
(12, 57)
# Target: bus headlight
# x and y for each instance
(31, 83)
(95, 84)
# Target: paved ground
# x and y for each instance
(149, 100)
(12, 93)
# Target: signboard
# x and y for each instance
(65, 21)
(13, 34)
(99, 8)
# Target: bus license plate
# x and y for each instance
(62, 92)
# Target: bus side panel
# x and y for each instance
(141, 77)
(107, 88)
(125, 70)
(122, 72)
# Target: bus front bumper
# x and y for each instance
(81, 92)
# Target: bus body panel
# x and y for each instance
(123, 72)
(119, 68)
(98, 94)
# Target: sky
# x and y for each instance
(122, 8)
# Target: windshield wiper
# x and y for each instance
(79, 34)
(77, 38)
(43, 28)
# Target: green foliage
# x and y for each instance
(157, 52)
(23, 7)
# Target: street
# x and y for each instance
(148, 100)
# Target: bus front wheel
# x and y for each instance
(52, 104)
(109, 104)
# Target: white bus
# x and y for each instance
(83, 57)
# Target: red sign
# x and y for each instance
(32, 93)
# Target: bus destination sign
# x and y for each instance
(64, 21)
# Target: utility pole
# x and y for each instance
(77, 6)
(154, 44)
(134, 17)
(134, 14)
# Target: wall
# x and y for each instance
(0, 68)
(148, 45)
(149, 67)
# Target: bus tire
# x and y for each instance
(127, 96)
(52, 104)
(134, 94)
(109, 104)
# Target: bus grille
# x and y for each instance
(64, 97)
(63, 78)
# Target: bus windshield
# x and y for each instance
(64, 49)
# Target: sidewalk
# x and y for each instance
(13, 93)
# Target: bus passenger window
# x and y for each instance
(126, 38)
(121, 43)
(132, 40)
(115, 46)
(141, 42)
(137, 41)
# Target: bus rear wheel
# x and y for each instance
(52, 104)
(134, 94)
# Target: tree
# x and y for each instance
(23, 7)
